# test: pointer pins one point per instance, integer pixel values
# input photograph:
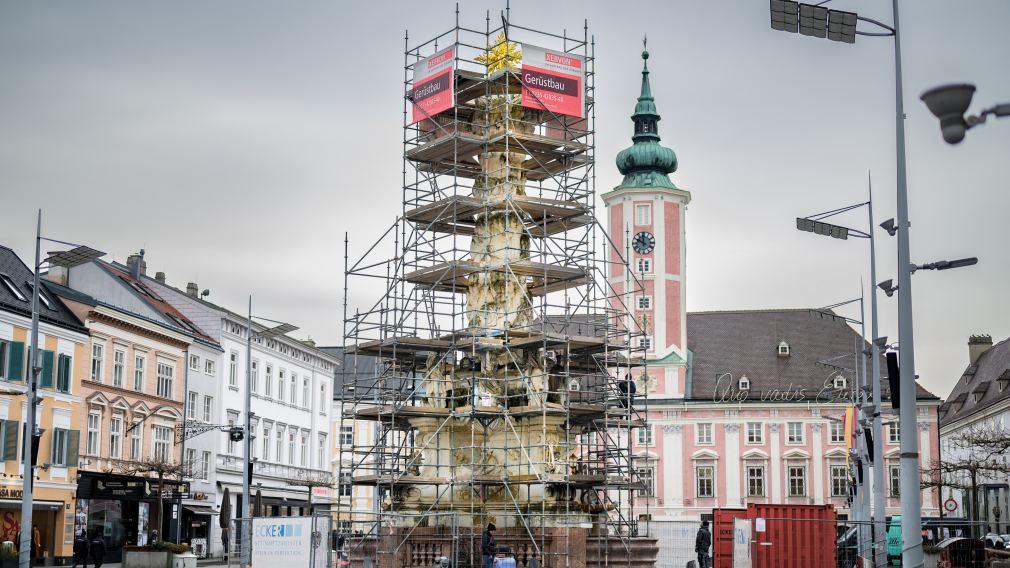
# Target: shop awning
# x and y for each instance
(42, 505)
(200, 510)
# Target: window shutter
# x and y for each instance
(63, 374)
(47, 369)
(16, 362)
(10, 440)
(73, 447)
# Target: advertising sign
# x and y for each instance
(741, 543)
(431, 91)
(553, 80)
(281, 542)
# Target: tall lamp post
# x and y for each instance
(280, 328)
(837, 25)
(815, 224)
(67, 259)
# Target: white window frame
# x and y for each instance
(346, 435)
(191, 401)
(61, 440)
(208, 367)
(322, 398)
(205, 466)
(233, 369)
(304, 450)
(194, 362)
(268, 381)
(306, 393)
(643, 303)
(161, 450)
(643, 266)
(291, 446)
(755, 433)
(802, 478)
(189, 460)
(294, 390)
(97, 360)
(648, 480)
(94, 439)
(321, 451)
(755, 483)
(894, 480)
(208, 408)
(645, 342)
(166, 380)
(139, 365)
(838, 474)
(705, 428)
(254, 380)
(279, 443)
(840, 382)
(836, 432)
(137, 439)
(645, 436)
(743, 384)
(894, 433)
(643, 214)
(281, 386)
(797, 437)
(710, 478)
(118, 367)
(267, 440)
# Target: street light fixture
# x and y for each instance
(946, 264)
(950, 102)
(888, 226)
(67, 259)
(888, 287)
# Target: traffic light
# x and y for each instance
(894, 379)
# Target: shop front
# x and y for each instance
(123, 510)
(52, 513)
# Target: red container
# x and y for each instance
(722, 536)
(794, 536)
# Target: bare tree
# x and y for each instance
(973, 456)
(310, 480)
(160, 470)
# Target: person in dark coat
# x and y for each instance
(97, 549)
(702, 543)
(81, 549)
(628, 389)
(488, 546)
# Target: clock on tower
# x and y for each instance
(644, 242)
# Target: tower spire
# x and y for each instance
(646, 163)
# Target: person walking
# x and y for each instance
(702, 542)
(81, 549)
(36, 545)
(97, 549)
(488, 546)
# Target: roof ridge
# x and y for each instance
(760, 311)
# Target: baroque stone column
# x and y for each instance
(775, 463)
(818, 465)
(732, 465)
(673, 453)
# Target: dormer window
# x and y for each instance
(744, 383)
(840, 382)
(783, 350)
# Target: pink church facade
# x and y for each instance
(743, 406)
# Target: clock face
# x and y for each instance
(643, 243)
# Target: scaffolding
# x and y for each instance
(493, 369)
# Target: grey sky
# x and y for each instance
(237, 140)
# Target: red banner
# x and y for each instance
(553, 81)
(432, 92)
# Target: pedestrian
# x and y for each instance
(488, 546)
(702, 542)
(81, 549)
(97, 548)
(36, 544)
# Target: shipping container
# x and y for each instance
(782, 536)
(722, 536)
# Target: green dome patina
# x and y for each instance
(646, 163)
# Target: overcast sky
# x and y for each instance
(236, 141)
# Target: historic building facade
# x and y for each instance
(63, 343)
(744, 406)
(134, 401)
(291, 387)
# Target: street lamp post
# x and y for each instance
(245, 546)
(837, 25)
(815, 224)
(74, 257)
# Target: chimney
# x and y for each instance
(58, 274)
(160, 277)
(977, 345)
(136, 264)
(193, 290)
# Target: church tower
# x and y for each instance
(646, 220)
